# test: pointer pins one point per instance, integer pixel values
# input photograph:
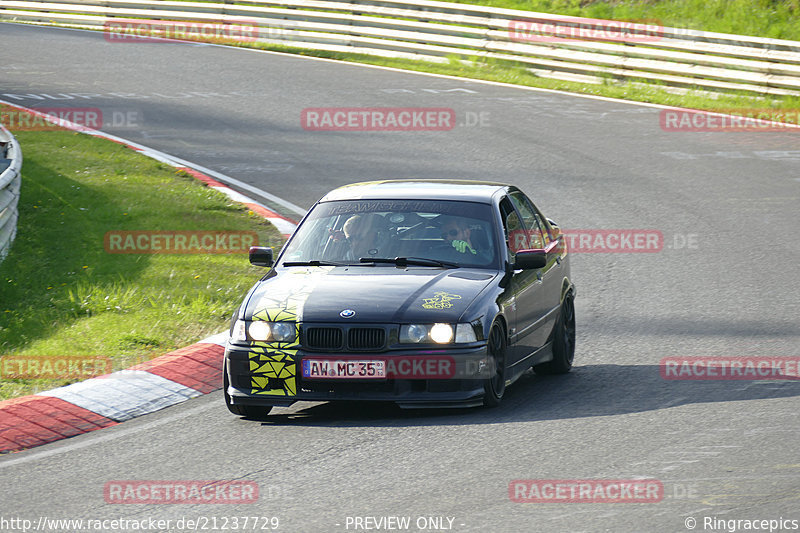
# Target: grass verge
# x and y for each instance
(761, 18)
(62, 294)
(775, 19)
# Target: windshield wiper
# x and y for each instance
(313, 263)
(405, 261)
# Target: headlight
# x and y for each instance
(413, 333)
(442, 333)
(437, 333)
(262, 331)
(258, 330)
(283, 331)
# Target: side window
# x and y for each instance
(550, 232)
(535, 237)
(515, 230)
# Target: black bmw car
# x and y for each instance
(427, 293)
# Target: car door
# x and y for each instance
(536, 290)
(556, 270)
(553, 273)
(525, 285)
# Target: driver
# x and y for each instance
(362, 233)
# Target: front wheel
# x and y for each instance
(495, 387)
(563, 342)
(248, 411)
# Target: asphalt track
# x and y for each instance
(722, 449)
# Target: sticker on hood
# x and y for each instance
(440, 300)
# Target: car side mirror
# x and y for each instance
(535, 258)
(530, 259)
(260, 256)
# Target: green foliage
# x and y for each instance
(764, 18)
(62, 294)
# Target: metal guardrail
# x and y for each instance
(437, 31)
(10, 182)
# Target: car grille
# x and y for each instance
(366, 338)
(324, 338)
(332, 338)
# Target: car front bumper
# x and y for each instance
(272, 377)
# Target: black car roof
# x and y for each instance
(463, 190)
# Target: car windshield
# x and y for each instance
(449, 233)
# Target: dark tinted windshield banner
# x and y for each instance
(467, 209)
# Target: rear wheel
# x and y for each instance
(249, 411)
(563, 341)
(495, 386)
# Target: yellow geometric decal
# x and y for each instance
(440, 300)
(275, 361)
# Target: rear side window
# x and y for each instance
(534, 236)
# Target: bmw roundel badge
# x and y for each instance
(347, 313)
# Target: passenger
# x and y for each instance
(456, 231)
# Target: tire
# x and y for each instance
(247, 411)
(563, 342)
(495, 387)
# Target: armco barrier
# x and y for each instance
(437, 31)
(10, 181)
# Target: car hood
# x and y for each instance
(377, 294)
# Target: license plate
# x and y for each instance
(343, 369)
